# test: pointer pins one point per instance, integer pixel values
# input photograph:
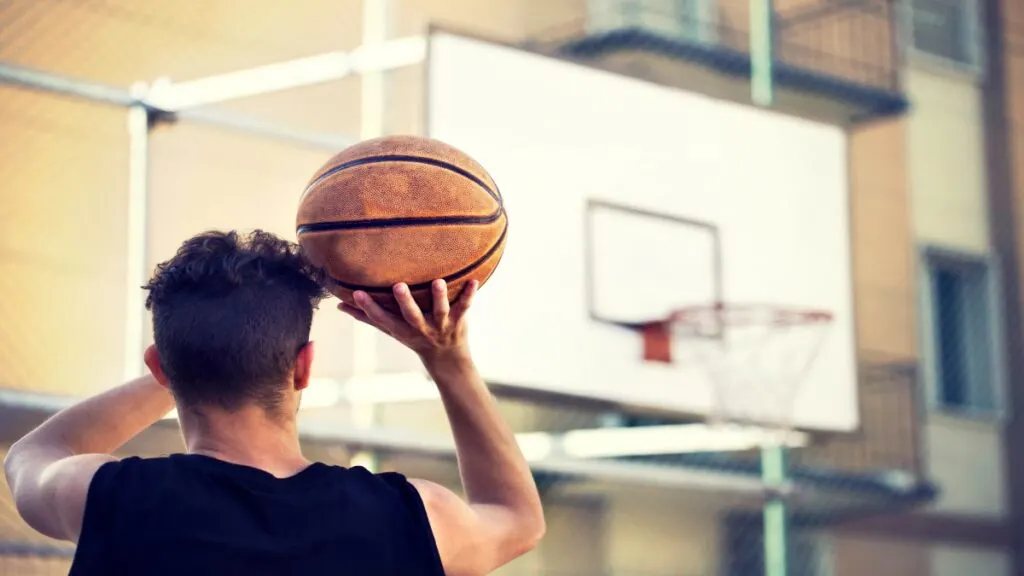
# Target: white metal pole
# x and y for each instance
(372, 56)
(364, 351)
(136, 249)
(375, 29)
(55, 84)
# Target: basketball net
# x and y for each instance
(756, 358)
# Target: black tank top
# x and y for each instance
(192, 515)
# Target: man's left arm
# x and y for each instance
(49, 470)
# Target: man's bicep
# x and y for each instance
(470, 538)
(50, 489)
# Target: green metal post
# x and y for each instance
(762, 49)
(773, 458)
(773, 474)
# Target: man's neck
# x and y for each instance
(249, 437)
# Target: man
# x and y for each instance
(231, 318)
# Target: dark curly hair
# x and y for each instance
(230, 313)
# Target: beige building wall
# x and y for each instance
(950, 210)
(661, 537)
(884, 295)
(883, 257)
(623, 537)
(63, 164)
(946, 161)
(575, 539)
(977, 488)
(860, 555)
(122, 42)
(963, 561)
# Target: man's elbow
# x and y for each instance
(10, 464)
(529, 532)
(13, 471)
(24, 464)
(536, 533)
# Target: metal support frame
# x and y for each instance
(33, 79)
(776, 513)
(55, 84)
(138, 126)
(773, 457)
(327, 431)
(35, 550)
(762, 52)
(376, 55)
(376, 14)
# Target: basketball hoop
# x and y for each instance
(755, 356)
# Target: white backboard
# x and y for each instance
(626, 200)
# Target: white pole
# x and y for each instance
(373, 56)
(135, 253)
(364, 353)
(55, 84)
(375, 28)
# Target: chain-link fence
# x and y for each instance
(70, 213)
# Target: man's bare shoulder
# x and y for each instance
(471, 539)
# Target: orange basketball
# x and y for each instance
(402, 209)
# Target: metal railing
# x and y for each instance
(850, 41)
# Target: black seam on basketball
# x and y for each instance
(405, 158)
(399, 222)
(422, 285)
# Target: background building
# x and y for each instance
(104, 176)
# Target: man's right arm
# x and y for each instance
(503, 517)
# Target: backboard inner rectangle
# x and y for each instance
(644, 264)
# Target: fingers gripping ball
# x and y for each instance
(440, 331)
(402, 209)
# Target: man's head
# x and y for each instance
(231, 320)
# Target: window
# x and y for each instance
(693, 20)
(947, 30)
(960, 331)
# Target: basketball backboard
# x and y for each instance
(628, 200)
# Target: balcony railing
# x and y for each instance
(855, 40)
(843, 49)
(886, 444)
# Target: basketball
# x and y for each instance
(401, 209)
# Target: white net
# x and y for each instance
(755, 356)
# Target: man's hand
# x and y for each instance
(440, 334)
(503, 518)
